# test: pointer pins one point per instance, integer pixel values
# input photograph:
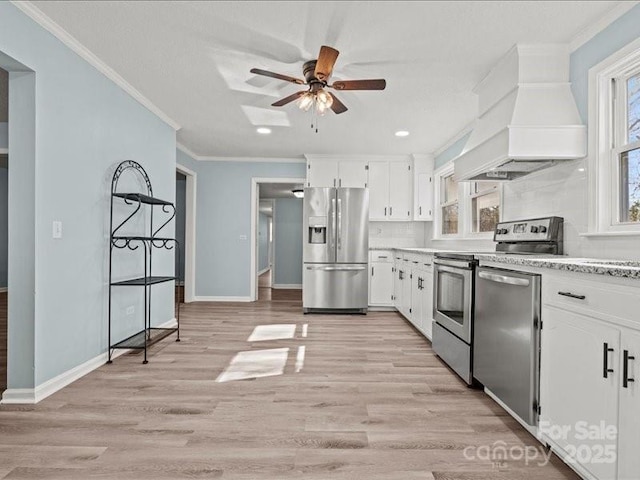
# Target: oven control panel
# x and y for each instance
(547, 229)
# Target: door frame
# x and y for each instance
(189, 234)
(255, 199)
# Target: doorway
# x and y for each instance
(4, 223)
(276, 234)
(186, 182)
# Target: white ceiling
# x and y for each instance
(192, 60)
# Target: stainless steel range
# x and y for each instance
(463, 302)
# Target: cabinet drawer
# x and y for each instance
(380, 256)
(597, 296)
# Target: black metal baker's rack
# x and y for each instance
(149, 335)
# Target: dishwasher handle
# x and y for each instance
(495, 277)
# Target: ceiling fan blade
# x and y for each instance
(337, 106)
(326, 59)
(288, 99)
(377, 84)
(279, 76)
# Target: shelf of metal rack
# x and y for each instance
(149, 241)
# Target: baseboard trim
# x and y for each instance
(222, 299)
(382, 308)
(264, 270)
(51, 386)
(287, 286)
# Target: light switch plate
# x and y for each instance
(57, 229)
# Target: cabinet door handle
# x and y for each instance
(382, 256)
(372, 271)
(385, 211)
(334, 182)
(605, 360)
(625, 368)
(572, 295)
(340, 182)
(419, 210)
(390, 211)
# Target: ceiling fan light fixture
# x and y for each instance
(298, 193)
(402, 133)
(305, 101)
(263, 130)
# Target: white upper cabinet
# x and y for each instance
(378, 191)
(352, 174)
(400, 190)
(423, 187)
(332, 172)
(322, 172)
(390, 181)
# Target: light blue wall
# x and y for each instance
(181, 206)
(85, 126)
(452, 151)
(4, 225)
(223, 215)
(263, 242)
(288, 241)
(618, 34)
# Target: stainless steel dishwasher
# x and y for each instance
(506, 355)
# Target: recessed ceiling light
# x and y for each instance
(402, 133)
(263, 130)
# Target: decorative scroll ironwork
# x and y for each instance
(130, 164)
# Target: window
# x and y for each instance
(449, 205)
(485, 206)
(614, 162)
(627, 150)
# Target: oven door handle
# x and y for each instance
(454, 263)
(494, 277)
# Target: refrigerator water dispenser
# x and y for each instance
(318, 230)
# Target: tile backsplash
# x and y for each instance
(397, 234)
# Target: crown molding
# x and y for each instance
(454, 139)
(603, 22)
(71, 42)
(251, 159)
(210, 158)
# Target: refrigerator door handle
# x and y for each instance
(339, 226)
(338, 269)
(332, 245)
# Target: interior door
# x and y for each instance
(352, 225)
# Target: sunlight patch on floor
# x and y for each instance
(255, 364)
(272, 332)
(300, 358)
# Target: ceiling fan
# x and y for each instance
(316, 76)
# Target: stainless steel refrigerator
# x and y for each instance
(336, 250)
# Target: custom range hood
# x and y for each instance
(528, 119)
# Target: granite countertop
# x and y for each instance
(611, 268)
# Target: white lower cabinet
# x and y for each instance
(629, 423)
(381, 279)
(575, 393)
(398, 277)
(589, 375)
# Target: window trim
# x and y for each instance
(604, 142)
(465, 214)
(498, 188)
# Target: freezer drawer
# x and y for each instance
(335, 287)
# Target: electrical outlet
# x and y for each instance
(131, 310)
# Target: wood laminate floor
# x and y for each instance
(343, 397)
